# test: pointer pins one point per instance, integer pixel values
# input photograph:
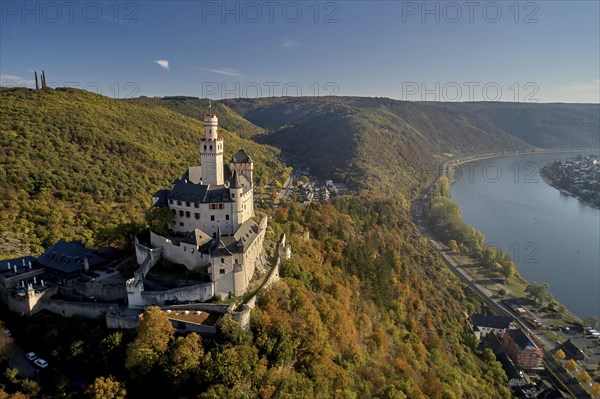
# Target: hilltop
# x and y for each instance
(555, 125)
(76, 163)
(388, 145)
(196, 108)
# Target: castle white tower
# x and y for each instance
(211, 152)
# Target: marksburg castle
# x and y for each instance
(214, 229)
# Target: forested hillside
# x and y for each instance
(392, 146)
(196, 108)
(365, 309)
(542, 125)
(75, 165)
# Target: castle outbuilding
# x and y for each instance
(215, 229)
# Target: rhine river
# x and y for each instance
(553, 238)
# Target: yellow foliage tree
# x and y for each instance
(559, 355)
(570, 365)
(584, 378)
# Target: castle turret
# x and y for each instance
(211, 152)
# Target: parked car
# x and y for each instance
(41, 363)
(31, 356)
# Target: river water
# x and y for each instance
(553, 238)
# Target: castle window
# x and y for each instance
(222, 260)
(212, 217)
(196, 205)
(178, 202)
(221, 206)
(187, 204)
(222, 271)
(204, 147)
(232, 195)
(210, 147)
(226, 217)
(187, 214)
(181, 224)
(184, 248)
(181, 213)
(197, 215)
(171, 202)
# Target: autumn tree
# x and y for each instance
(595, 390)
(453, 246)
(559, 355)
(584, 378)
(151, 343)
(106, 388)
(591, 321)
(185, 356)
(570, 365)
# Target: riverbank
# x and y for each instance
(527, 241)
(553, 184)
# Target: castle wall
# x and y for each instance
(82, 309)
(102, 291)
(185, 254)
(222, 276)
(198, 292)
(147, 257)
(121, 321)
(184, 223)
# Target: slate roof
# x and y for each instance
(241, 157)
(491, 321)
(238, 180)
(196, 237)
(68, 257)
(572, 350)
(520, 339)
(17, 262)
(185, 190)
(162, 196)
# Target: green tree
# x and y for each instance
(11, 374)
(508, 269)
(106, 388)
(539, 292)
(30, 387)
(160, 219)
(151, 343)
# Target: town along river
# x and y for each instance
(552, 237)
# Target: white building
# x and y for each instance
(214, 226)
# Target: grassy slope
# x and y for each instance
(380, 143)
(71, 162)
(541, 125)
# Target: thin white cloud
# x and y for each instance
(163, 64)
(14, 80)
(289, 43)
(579, 92)
(593, 85)
(223, 71)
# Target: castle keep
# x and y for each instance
(215, 228)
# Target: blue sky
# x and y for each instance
(542, 51)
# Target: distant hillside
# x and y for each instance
(74, 163)
(541, 125)
(196, 108)
(379, 143)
